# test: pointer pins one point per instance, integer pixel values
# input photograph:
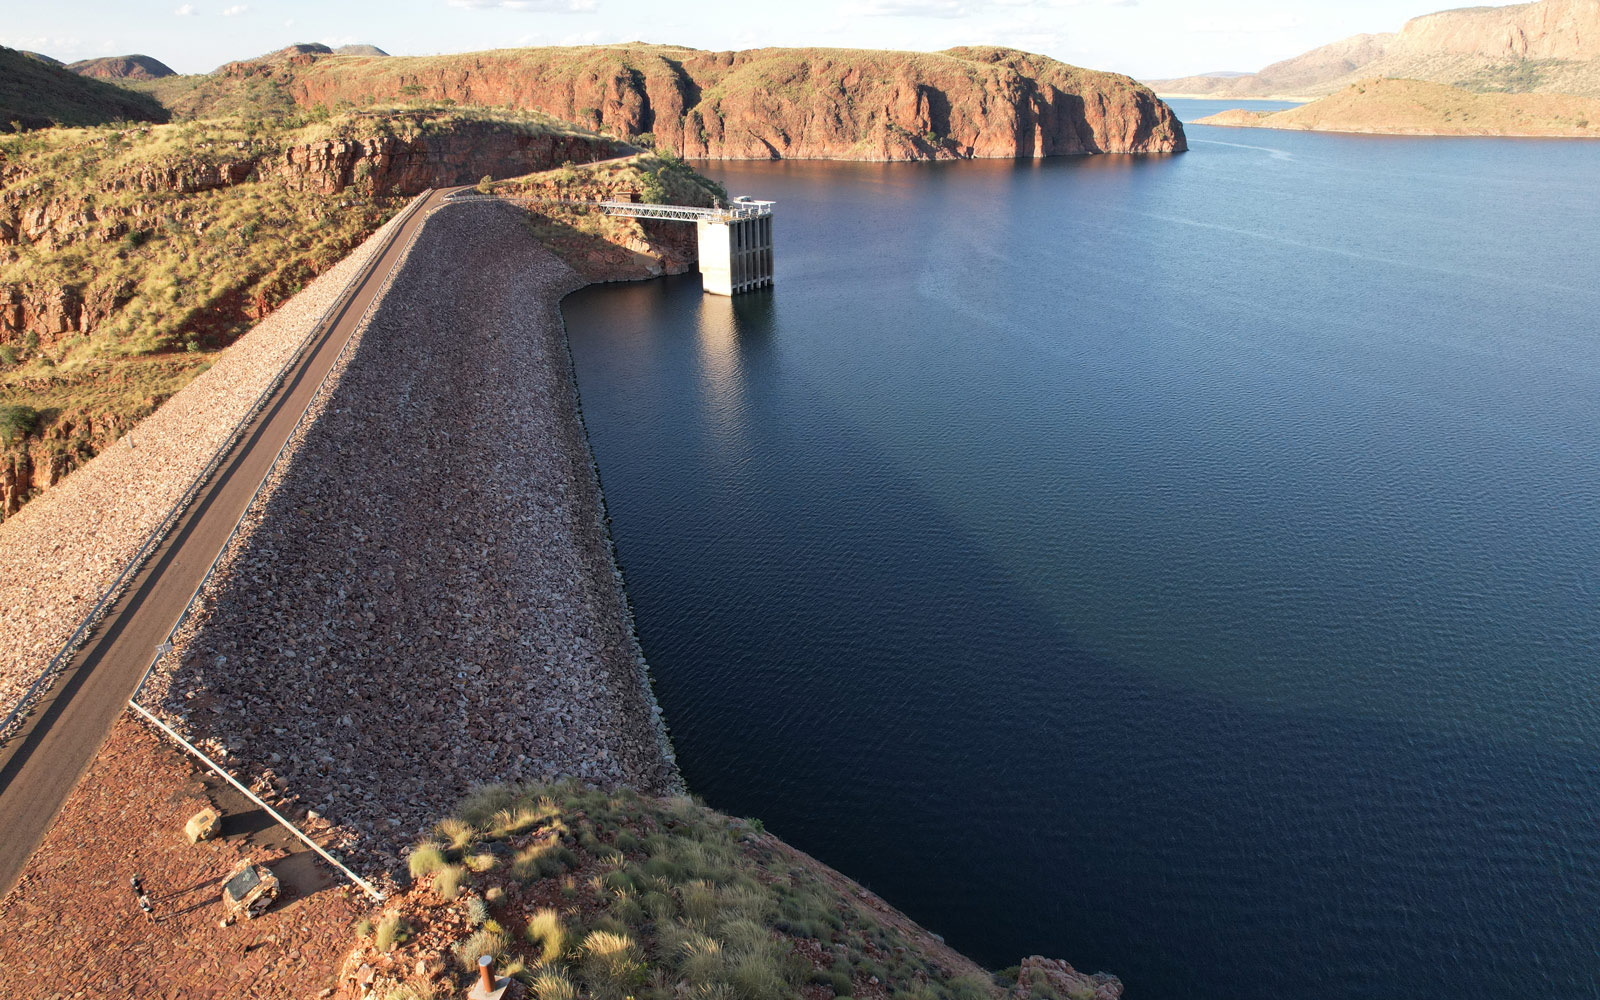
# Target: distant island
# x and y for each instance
(1550, 47)
(1415, 107)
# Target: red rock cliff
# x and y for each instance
(778, 103)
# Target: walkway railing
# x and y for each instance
(637, 210)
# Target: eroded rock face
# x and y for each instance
(399, 166)
(778, 103)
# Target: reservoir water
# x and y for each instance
(1185, 566)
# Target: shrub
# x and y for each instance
(482, 942)
(477, 912)
(16, 420)
(968, 988)
(840, 983)
(481, 863)
(703, 959)
(485, 184)
(8, 354)
(552, 985)
(425, 860)
(391, 931)
(755, 976)
(546, 930)
(611, 966)
(479, 806)
(456, 833)
(419, 988)
(364, 927)
(448, 880)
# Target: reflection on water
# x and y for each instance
(725, 327)
(1186, 566)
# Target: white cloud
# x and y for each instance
(187, 10)
(531, 6)
(913, 8)
(236, 10)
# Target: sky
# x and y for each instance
(1150, 39)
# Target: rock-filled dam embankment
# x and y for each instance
(61, 552)
(424, 597)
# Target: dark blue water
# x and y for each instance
(1188, 567)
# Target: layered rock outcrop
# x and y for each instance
(776, 103)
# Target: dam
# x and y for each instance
(735, 242)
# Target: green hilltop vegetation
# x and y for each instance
(35, 94)
(612, 895)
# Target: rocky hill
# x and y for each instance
(1552, 46)
(36, 94)
(122, 277)
(1412, 107)
(135, 67)
(758, 104)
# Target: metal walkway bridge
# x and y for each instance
(741, 208)
(735, 239)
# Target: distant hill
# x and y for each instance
(1552, 46)
(35, 94)
(133, 67)
(359, 50)
(1414, 107)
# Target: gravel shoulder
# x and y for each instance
(61, 552)
(424, 596)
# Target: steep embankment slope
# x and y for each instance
(1412, 107)
(605, 894)
(1552, 46)
(767, 103)
(36, 94)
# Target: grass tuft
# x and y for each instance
(447, 881)
(482, 942)
(425, 860)
(392, 931)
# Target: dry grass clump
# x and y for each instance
(614, 895)
(546, 930)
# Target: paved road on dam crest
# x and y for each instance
(42, 764)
